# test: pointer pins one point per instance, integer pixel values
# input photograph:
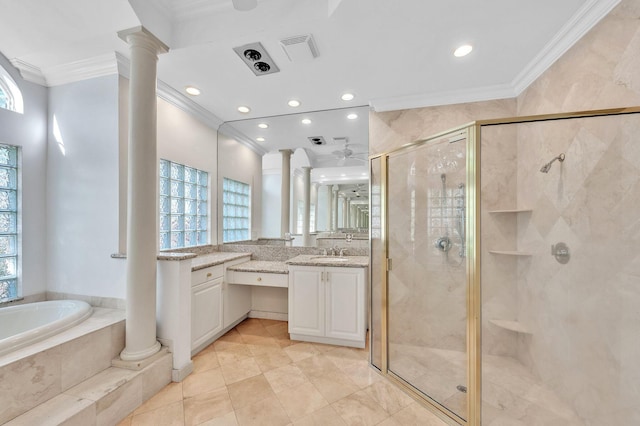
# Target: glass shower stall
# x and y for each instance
(505, 270)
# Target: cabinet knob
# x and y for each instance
(259, 278)
(209, 275)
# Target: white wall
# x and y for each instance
(83, 190)
(185, 140)
(238, 162)
(29, 131)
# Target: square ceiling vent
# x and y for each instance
(300, 48)
(257, 58)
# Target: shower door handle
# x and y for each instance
(389, 264)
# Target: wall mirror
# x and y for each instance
(335, 145)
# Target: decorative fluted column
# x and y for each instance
(334, 207)
(329, 207)
(345, 212)
(285, 193)
(142, 201)
(306, 237)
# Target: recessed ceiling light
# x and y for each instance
(364, 174)
(260, 139)
(193, 91)
(244, 109)
(263, 125)
(343, 175)
(352, 116)
(305, 121)
(347, 97)
(294, 103)
(322, 176)
(463, 50)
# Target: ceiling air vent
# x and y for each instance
(256, 58)
(300, 48)
(317, 140)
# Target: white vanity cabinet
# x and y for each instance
(327, 304)
(206, 304)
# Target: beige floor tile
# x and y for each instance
(362, 375)
(334, 385)
(271, 359)
(316, 366)
(326, 416)
(343, 356)
(390, 398)
(249, 391)
(169, 415)
(169, 394)
(226, 420)
(207, 381)
(126, 421)
(249, 328)
(205, 361)
(322, 348)
(416, 415)
(231, 351)
(269, 322)
(239, 370)
(278, 328)
(267, 412)
(231, 336)
(389, 422)
(207, 406)
(259, 341)
(285, 377)
(301, 400)
(300, 351)
(360, 409)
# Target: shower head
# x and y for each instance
(546, 167)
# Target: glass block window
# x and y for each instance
(300, 218)
(9, 288)
(4, 99)
(236, 208)
(312, 218)
(10, 95)
(183, 206)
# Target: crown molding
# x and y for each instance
(85, 69)
(459, 96)
(234, 133)
(29, 72)
(581, 22)
(177, 99)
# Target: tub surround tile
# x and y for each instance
(85, 356)
(60, 410)
(168, 395)
(29, 382)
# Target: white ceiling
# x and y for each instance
(390, 54)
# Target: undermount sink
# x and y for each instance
(329, 259)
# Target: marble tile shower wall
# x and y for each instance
(583, 315)
(499, 272)
(427, 295)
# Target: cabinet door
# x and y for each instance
(345, 304)
(306, 301)
(206, 311)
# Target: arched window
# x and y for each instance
(10, 95)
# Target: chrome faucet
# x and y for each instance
(335, 250)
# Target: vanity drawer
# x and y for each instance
(207, 274)
(264, 279)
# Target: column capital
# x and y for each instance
(142, 37)
(286, 152)
(335, 188)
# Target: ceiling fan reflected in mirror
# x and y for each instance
(348, 154)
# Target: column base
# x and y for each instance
(126, 355)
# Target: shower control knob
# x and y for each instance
(443, 244)
(561, 252)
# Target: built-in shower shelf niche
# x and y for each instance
(510, 325)
(512, 211)
(511, 252)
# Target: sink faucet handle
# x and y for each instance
(343, 251)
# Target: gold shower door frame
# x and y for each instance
(473, 244)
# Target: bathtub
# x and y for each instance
(22, 325)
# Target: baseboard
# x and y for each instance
(277, 316)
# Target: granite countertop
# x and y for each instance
(216, 258)
(264, 266)
(316, 260)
